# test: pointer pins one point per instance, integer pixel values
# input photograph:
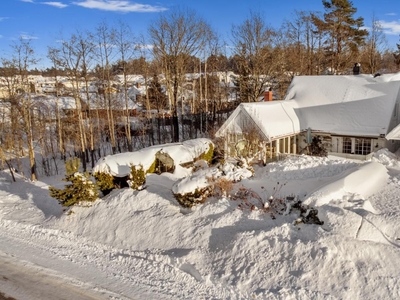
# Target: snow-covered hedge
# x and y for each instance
(197, 187)
(119, 165)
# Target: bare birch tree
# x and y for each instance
(177, 35)
(253, 42)
(54, 55)
(25, 59)
(375, 45)
(106, 50)
(125, 42)
(71, 61)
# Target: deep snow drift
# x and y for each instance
(142, 244)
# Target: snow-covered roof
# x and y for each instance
(273, 119)
(134, 91)
(50, 100)
(345, 105)
(394, 134)
(130, 78)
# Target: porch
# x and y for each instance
(280, 148)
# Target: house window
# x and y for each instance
(346, 145)
(363, 146)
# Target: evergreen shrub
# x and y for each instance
(152, 168)
(80, 187)
(105, 182)
(189, 200)
(137, 177)
(208, 156)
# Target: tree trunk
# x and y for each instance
(29, 136)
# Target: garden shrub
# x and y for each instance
(209, 155)
(189, 200)
(137, 177)
(80, 187)
(105, 182)
(221, 186)
(317, 148)
(152, 168)
(275, 205)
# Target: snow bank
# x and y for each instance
(216, 250)
(364, 181)
(387, 158)
(306, 167)
(119, 164)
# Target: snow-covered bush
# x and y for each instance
(237, 172)
(137, 178)
(208, 156)
(105, 182)
(317, 148)
(195, 188)
(205, 182)
(188, 200)
(169, 157)
(200, 165)
(275, 205)
(80, 187)
(221, 187)
(152, 168)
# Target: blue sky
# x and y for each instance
(43, 20)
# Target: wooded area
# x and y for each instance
(174, 106)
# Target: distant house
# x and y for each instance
(137, 93)
(130, 79)
(351, 116)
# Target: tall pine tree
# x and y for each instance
(343, 33)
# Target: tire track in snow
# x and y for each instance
(26, 281)
(144, 272)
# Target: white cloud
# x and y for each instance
(30, 1)
(148, 47)
(3, 18)
(1, 36)
(119, 6)
(366, 28)
(56, 4)
(28, 37)
(391, 14)
(391, 28)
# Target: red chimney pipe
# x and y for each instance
(268, 96)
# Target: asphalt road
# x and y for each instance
(19, 282)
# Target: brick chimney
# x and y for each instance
(268, 95)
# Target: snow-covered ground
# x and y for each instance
(143, 245)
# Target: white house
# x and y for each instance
(353, 116)
(130, 79)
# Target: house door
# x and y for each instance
(337, 144)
